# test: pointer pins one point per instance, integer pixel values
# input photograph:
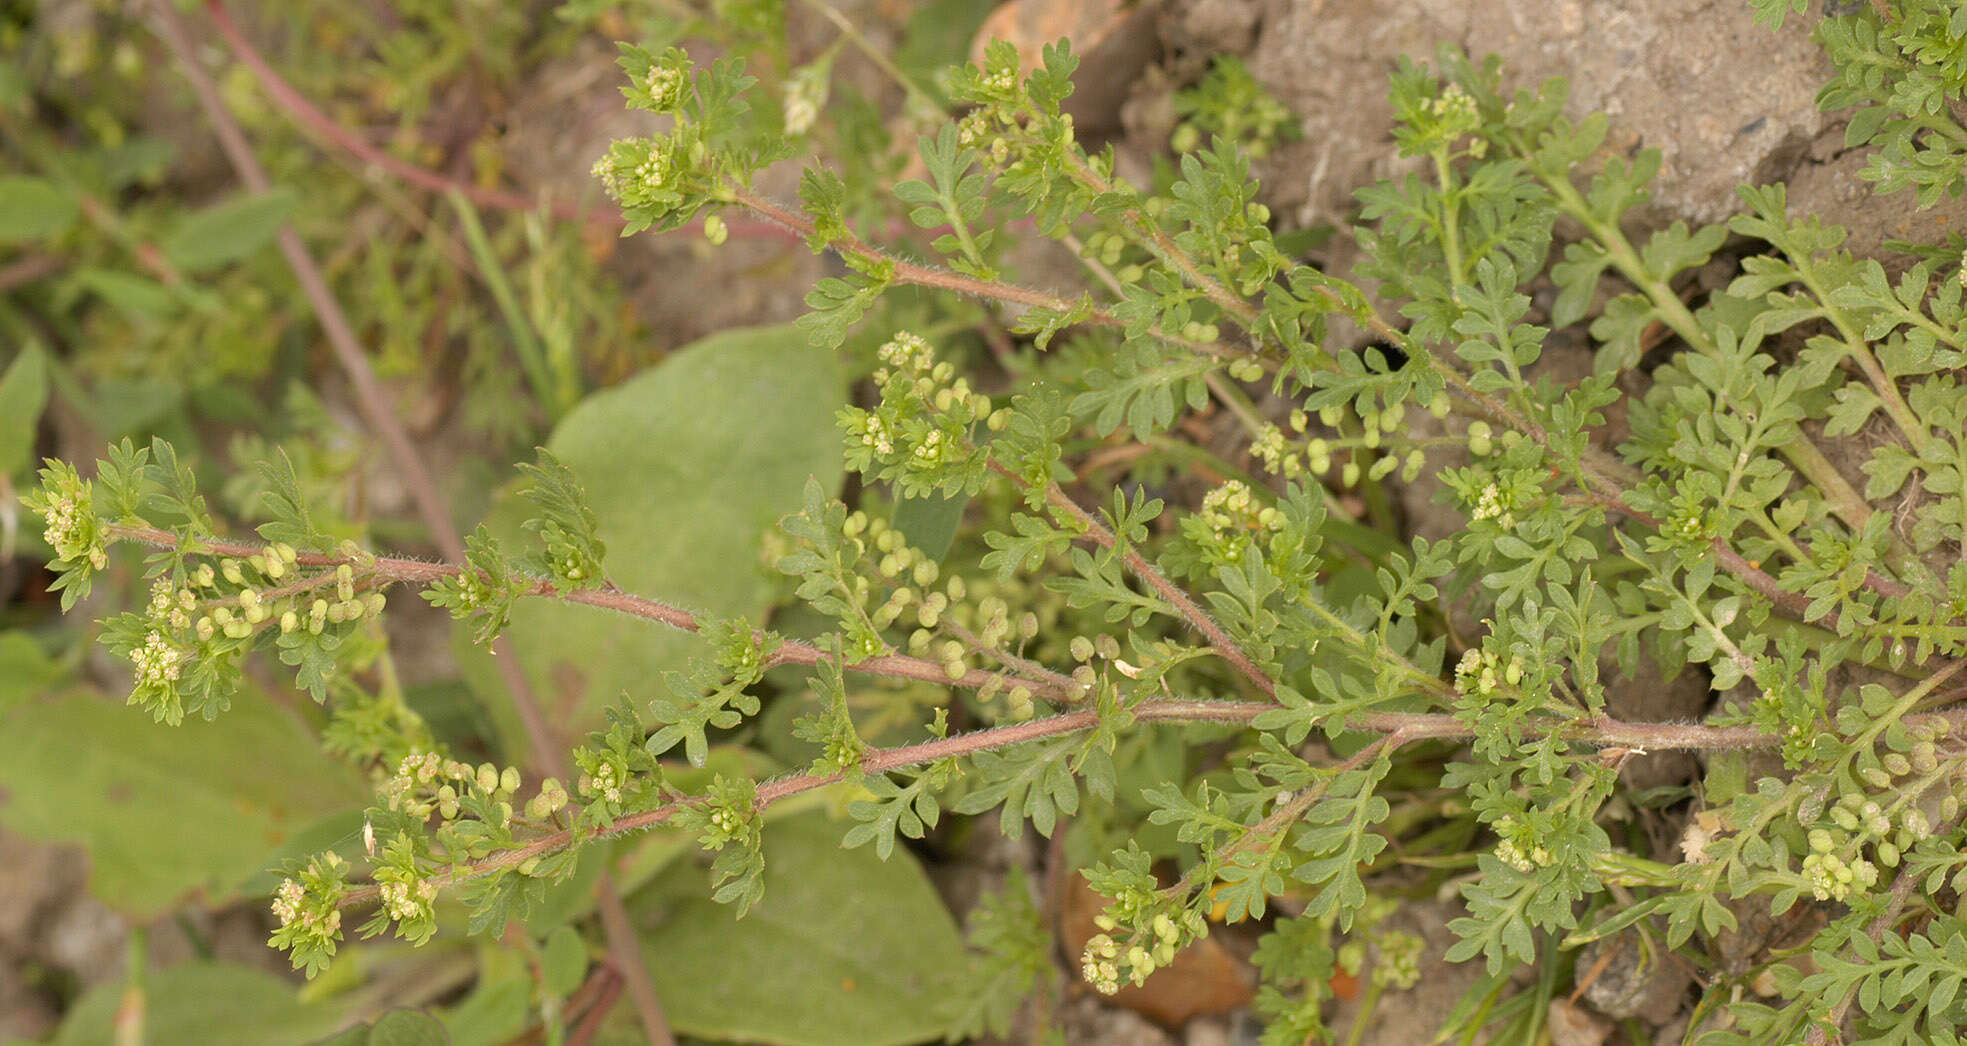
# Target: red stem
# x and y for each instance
(300, 110)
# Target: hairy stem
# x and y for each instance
(1602, 731)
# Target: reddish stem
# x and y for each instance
(300, 110)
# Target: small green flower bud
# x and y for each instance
(274, 568)
(1081, 647)
(1897, 764)
(205, 628)
(509, 779)
(487, 777)
(286, 553)
(230, 568)
(238, 630)
(289, 621)
(715, 230)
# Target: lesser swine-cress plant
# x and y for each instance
(1318, 668)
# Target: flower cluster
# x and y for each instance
(308, 906)
(426, 782)
(406, 897)
(1480, 671)
(640, 173)
(1830, 875)
(919, 436)
(1105, 961)
(806, 92)
(1399, 965)
(66, 505)
(1518, 847)
(1230, 521)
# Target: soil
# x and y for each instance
(1724, 100)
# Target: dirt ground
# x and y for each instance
(1726, 102)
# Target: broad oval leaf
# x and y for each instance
(844, 948)
(164, 812)
(226, 232)
(686, 466)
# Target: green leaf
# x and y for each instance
(33, 209)
(166, 812)
(563, 961)
(23, 392)
(929, 523)
(684, 467)
(844, 948)
(198, 1003)
(140, 297)
(408, 1028)
(220, 235)
(25, 670)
